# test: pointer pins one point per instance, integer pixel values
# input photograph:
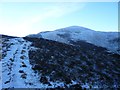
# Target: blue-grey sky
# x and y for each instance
(23, 18)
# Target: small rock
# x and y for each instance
(21, 71)
(24, 76)
(7, 82)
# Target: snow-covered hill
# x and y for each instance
(76, 33)
(41, 63)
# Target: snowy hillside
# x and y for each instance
(41, 63)
(16, 69)
(76, 33)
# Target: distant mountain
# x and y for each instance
(40, 63)
(108, 40)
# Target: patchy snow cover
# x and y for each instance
(76, 33)
(13, 63)
(16, 69)
(0, 63)
(0, 75)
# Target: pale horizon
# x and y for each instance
(24, 18)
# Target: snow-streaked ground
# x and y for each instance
(76, 33)
(17, 60)
(0, 75)
(11, 77)
(12, 63)
(0, 63)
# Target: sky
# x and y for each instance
(24, 18)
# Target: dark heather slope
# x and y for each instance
(7, 37)
(3, 39)
(83, 63)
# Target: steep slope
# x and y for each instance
(41, 63)
(76, 33)
(86, 65)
